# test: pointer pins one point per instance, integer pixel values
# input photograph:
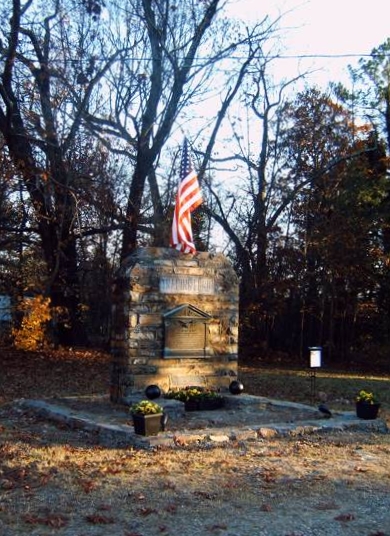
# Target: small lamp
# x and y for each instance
(315, 356)
(315, 362)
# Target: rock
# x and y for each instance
(267, 433)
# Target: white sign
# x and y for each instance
(315, 357)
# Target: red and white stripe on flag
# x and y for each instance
(188, 198)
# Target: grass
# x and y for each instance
(336, 387)
(80, 372)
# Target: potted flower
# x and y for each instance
(148, 417)
(367, 406)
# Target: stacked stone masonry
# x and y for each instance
(175, 322)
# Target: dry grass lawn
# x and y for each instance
(59, 481)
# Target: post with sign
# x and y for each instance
(315, 363)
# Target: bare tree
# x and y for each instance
(249, 216)
(45, 57)
(127, 73)
(176, 63)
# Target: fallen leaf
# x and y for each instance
(31, 519)
(146, 511)
(104, 507)
(88, 485)
(360, 469)
(112, 470)
(180, 442)
(169, 485)
(215, 527)
(44, 479)
(327, 506)
(204, 495)
(268, 477)
(6, 484)
(345, 517)
(98, 519)
(55, 521)
(231, 485)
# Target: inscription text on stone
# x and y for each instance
(181, 284)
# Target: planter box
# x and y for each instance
(367, 411)
(191, 405)
(204, 404)
(148, 425)
(210, 404)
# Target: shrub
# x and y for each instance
(31, 335)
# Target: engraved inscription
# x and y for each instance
(186, 332)
(186, 335)
(180, 284)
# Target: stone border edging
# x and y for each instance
(123, 435)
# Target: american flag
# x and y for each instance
(188, 198)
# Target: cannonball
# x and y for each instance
(152, 392)
(236, 387)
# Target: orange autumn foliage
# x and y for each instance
(31, 335)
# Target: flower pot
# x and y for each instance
(367, 411)
(148, 425)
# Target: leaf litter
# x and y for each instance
(62, 482)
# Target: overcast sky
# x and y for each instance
(323, 27)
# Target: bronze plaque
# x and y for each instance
(186, 335)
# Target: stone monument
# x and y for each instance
(175, 322)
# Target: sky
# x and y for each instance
(344, 30)
(322, 27)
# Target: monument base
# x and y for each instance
(175, 322)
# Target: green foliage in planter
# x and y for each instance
(146, 407)
(177, 394)
(192, 393)
(366, 397)
(209, 395)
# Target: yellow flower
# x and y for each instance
(366, 397)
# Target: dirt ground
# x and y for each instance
(59, 481)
